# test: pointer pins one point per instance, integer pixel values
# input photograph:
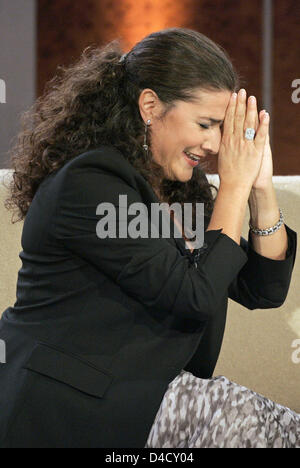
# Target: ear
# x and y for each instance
(149, 104)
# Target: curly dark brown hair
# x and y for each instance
(95, 102)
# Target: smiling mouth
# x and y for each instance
(192, 156)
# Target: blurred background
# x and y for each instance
(261, 36)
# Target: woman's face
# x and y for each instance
(193, 127)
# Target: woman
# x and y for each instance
(113, 340)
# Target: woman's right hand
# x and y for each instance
(240, 159)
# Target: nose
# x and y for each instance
(212, 140)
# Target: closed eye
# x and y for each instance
(206, 127)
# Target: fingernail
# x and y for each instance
(266, 116)
(242, 92)
(252, 99)
(234, 95)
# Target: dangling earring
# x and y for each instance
(145, 145)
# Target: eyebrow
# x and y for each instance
(213, 121)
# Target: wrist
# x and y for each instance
(263, 190)
(268, 230)
(263, 207)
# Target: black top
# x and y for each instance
(102, 325)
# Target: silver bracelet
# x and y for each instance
(268, 231)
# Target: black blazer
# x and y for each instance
(101, 326)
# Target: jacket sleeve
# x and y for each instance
(263, 283)
(151, 270)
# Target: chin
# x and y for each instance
(180, 175)
(184, 177)
(179, 178)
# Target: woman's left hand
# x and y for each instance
(264, 177)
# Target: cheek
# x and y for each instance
(189, 136)
(219, 134)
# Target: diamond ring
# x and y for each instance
(249, 133)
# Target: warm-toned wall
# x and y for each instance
(286, 131)
(65, 27)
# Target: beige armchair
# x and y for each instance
(261, 348)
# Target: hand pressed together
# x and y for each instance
(241, 161)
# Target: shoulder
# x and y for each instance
(102, 172)
(95, 167)
(105, 159)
